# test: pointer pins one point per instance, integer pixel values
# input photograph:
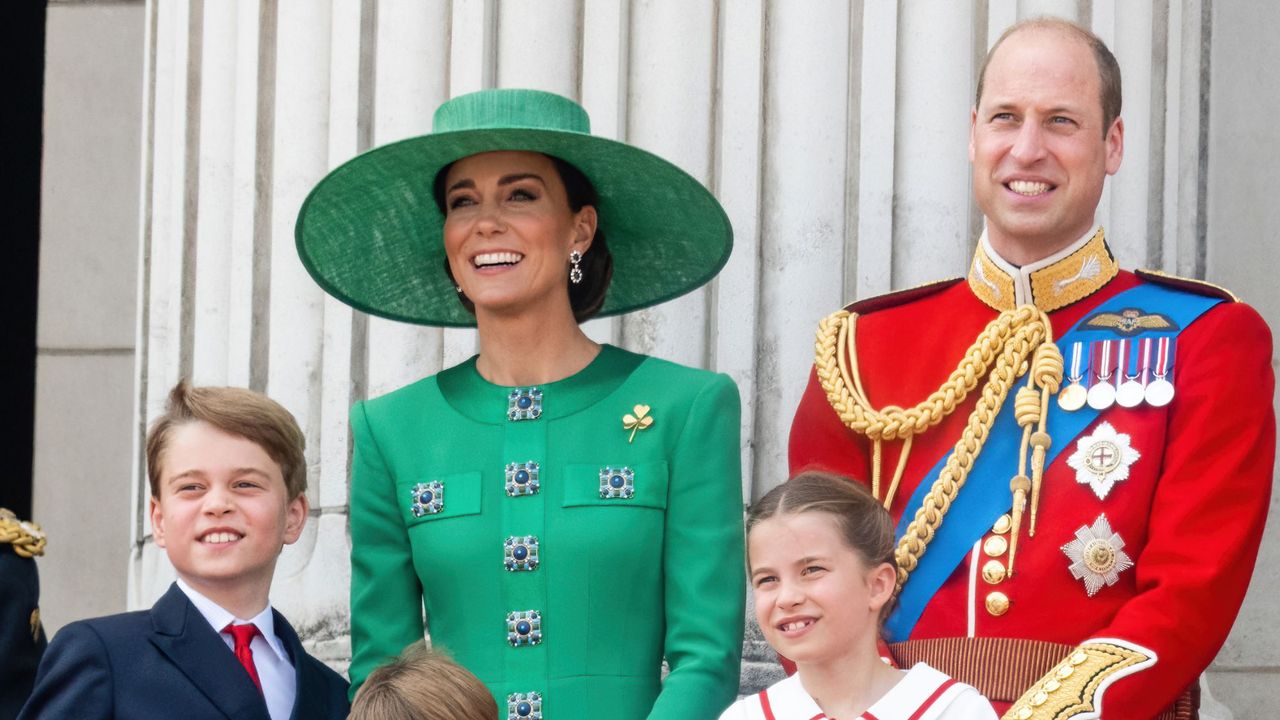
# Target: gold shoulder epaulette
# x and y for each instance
(1199, 287)
(27, 539)
(900, 297)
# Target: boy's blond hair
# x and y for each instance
(238, 411)
(423, 684)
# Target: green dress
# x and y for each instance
(557, 557)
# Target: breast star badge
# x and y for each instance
(1097, 555)
(1103, 459)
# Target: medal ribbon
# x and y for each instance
(985, 496)
(1077, 349)
(1103, 357)
(1122, 362)
(1145, 355)
(1162, 357)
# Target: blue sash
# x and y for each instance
(986, 495)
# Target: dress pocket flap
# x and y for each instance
(437, 497)
(616, 485)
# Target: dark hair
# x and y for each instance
(238, 411)
(423, 684)
(1108, 68)
(585, 297)
(863, 522)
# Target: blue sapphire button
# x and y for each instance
(426, 498)
(617, 483)
(524, 628)
(522, 478)
(524, 706)
(520, 552)
(524, 404)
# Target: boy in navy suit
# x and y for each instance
(227, 479)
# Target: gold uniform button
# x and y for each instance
(1024, 713)
(1039, 699)
(1065, 671)
(997, 603)
(993, 572)
(995, 546)
(1002, 525)
(1052, 684)
(1079, 657)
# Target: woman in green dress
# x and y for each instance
(568, 514)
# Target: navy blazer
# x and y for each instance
(168, 662)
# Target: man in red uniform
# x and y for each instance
(1080, 456)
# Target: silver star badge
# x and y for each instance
(1097, 555)
(1103, 459)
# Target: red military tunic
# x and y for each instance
(1190, 513)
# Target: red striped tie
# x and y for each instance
(243, 635)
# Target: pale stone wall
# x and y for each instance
(86, 320)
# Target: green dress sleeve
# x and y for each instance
(386, 596)
(703, 557)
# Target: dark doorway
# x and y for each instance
(22, 110)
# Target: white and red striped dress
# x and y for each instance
(922, 694)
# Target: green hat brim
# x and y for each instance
(370, 232)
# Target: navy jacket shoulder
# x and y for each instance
(166, 661)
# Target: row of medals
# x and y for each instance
(1109, 380)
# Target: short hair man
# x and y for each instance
(1074, 541)
(228, 484)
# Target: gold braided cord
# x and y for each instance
(27, 539)
(1001, 354)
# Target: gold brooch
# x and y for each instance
(639, 421)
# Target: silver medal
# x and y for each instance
(1159, 392)
(1130, 394)
(1102, 395)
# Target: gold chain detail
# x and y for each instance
(1007, 342)
(28, 539)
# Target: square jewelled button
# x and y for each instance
(522, 478)
(524, 706)
(617, 483)
(524, 404)
(520, 552)
(427, 498)
(524, 627)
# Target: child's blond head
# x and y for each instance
(236, 411)
(423, 684)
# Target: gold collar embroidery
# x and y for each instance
(1057, 281)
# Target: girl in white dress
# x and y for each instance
(820, 550)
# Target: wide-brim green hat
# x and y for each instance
(370, 233)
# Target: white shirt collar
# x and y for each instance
(219, 617)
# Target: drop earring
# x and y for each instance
(575, 272)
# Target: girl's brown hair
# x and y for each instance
(864, 524)
(423, 684)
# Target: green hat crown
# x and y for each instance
(511, 108)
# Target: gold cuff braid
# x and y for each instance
(1074, 685)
